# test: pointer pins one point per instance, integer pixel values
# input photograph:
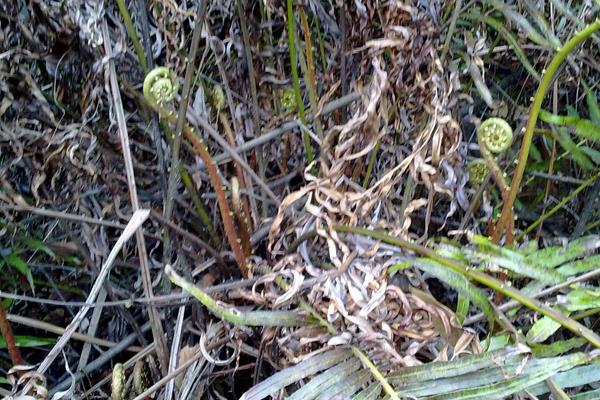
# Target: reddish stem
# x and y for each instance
(9, 338)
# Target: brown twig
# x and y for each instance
(7, 334)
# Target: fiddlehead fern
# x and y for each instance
(141, 377)
(218, 97)
(288, 99)
(478, 170)
(118, 384)
(495, 136)
(159, 86)
(120, 388)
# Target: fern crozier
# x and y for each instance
(118, 384)
(478, 170)
(496, 134)
(160, 86)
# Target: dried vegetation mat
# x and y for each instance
(304, 199)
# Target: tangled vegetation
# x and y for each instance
(311, 199)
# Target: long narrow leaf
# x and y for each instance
(460, 366)
(332, 376)
(576, 377)
(535, 371)
(583, 127)
(345, 389)
(581, 299)
(476, 379)
(459, 283)
(580, 266)
(290, 375)
(554, 256)
(591, 395)
(370, 393)
(556, 348)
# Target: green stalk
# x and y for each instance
(235, 316)
(200, 210)
(547, 78)
(450, 31)
(139, 51)
(308, 70)
(372, 159)
(493, 283)
(293, 64)
(321, 46)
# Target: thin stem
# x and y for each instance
(371, 164)
(547, 79)
(321, 46)
(450, 31)
(294, 67)
(309, 72)
(252, 77)
(139, 51)
(482, 278)
(200, 209)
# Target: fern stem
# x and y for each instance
(9, 339)
(451, 28)
(226, 215)
(176, 145)
(309, 73)
(547, 78)
(321, 46)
